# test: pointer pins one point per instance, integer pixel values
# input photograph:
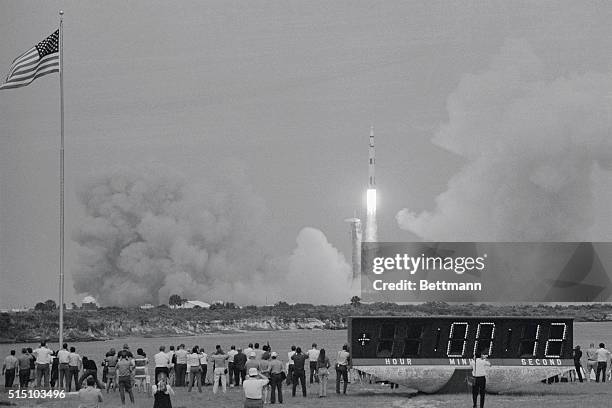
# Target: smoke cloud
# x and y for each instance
(538, 156)
(149, 234)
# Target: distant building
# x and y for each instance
(190, 304)
(147, 306)
(89, 303)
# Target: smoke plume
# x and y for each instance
(150, 234)
(538, 153)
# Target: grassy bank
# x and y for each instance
(113, 322)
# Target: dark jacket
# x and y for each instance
(240, 360)
(298, 361)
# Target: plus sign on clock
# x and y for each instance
(364, 339)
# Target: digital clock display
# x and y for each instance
(460, 337)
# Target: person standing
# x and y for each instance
(240, 360)
(172, 375)
(125, 367)
(44, 359)
(64, 368)
(230, 364)
(253, 387)
(24, 368)
(162, 363)
(252, 362)
(141, 371)
(54, 370)
(290, 365)
(32, 364)
(323, 372)
(299, 370)
(195, 371)
(479, 371)
(74, 366)
(603, 355)
(89, 396)
(220, 373)
(264, 370)
(181, 365)
(161, 393)
(258, 352)
(247, 350)
(276, 378)
(577, 364)
(342, 362)
(110, 363)
(313, 355)
(591, 354)
(203, 366)
(9, 369)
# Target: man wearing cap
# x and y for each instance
(126, 351)
(252, 362)
(276, 379)
(253, 387)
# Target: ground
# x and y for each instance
(561, 395)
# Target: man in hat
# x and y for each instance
(252, 362)
(276, 377)
(253, 387)
(126, 351)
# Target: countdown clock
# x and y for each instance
(432, 353)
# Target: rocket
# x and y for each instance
(371, 228)
(372, 164)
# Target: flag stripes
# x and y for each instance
(40, 60)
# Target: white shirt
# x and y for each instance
(181, 356)
(252, 387)
(313, 354)
(602, 355)
(289, 355)
(161, 359)
(342, 358)
(231, 355)
(74, 359)
(203, 358)
(479, 367)
(63, 356)
(247, 351)
(193, 360)
(43, 355)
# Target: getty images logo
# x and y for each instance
(414, 264)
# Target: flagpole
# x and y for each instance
(61, 260)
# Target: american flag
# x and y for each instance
(42, 59)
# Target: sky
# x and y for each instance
(491, 122)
